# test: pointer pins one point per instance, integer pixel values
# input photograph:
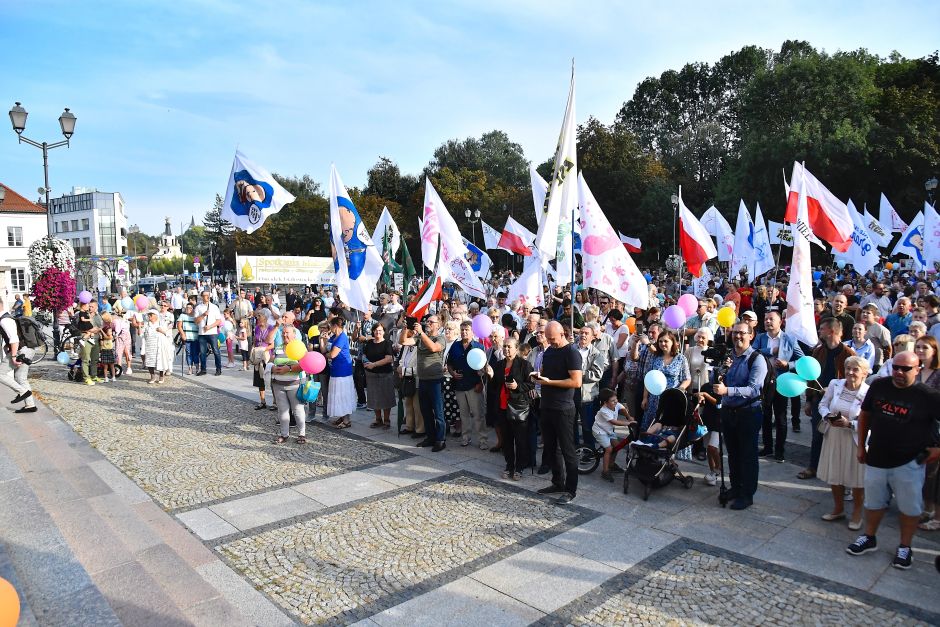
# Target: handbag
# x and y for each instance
(408, 384)
(258, 356)
(308, 391)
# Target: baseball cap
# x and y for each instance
(749, 314)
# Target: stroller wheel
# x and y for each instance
(647, 488)
(587, 460)
(687, 482)
(118, 370)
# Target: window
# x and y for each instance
(18, 279)
(84, 224)
(65, 226)
(14, 236)
(74, 225)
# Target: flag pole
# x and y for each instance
(571, 236)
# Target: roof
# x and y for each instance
(15, 203)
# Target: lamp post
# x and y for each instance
(66, 122)
(931, 187)
(675, 214)
(473, 217)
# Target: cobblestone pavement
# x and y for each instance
(190, 445)
(353, 561)
(692, 584)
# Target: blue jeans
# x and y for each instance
(192, 352)
(588, 411)
(209, 343)
(740, 428)
(431, 400)
(816, 448)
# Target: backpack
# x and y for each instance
(29, 332)
(769, 388)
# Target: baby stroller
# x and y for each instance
(653, 466)
(75, 365)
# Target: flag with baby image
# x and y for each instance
(252, 195)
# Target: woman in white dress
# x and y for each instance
(157, 357)
(838, 462)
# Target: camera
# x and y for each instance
(717, 353)
(24, 360)
(410, 323)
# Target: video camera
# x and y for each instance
(717, 354)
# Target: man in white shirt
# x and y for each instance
(176, 302)
(13, 370)
(208, 319)
(241, 308)
(880, 300)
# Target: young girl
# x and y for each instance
(229, 340)
(243, 332)
(106, 356)
(603, 430)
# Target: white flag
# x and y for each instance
(912, 242)
(801, 323)
(862, 253)
(387, 230)
(539, 190)
(931, 237)
(779, 233)
(479, 261)
(490, 236)
(743, 255)
(554, 236)
(887, 215)
(357, 262)
(606, 264)
(718, 227)
(879, 234)
(527, 288)
(252, 195)
(453, 265)
(700, 284)
(763, 256)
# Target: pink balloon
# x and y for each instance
(482, 326)
(674, 316)
(142, 302)
(689, 304)
(312, 362)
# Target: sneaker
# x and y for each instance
(565, 498)
(552, 489)
(465, 442)
(766, 453)
(97, 379)
(360, 405)
(438, 447)
(711, 479)
(89, 382)
(863, 544)
(506, 474)
(131, 370)
(779, 458)
(903, 558)
(544, 470)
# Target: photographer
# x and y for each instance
(15, 367)
(741, 414)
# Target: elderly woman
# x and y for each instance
(494, 354)
(158, 358)
(286, 375)
(377, 357)
(899, 344)
(838, 462)
(262, 351)
(510, 381)
(672, 364)
(122, 338)
(451, 408)
(341, 400)
(917, 329)
(928, 353)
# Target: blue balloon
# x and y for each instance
(127, 303)
(648, 277)
(655, 382)
(840, 264)
(476, 359)
(63, 358)
(817, 274)
(790, 385)
(807, 368)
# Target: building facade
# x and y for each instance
(22, 222)
(169, 244)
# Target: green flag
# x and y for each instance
(407, 267)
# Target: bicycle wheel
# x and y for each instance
(41, 352)
(587, 460)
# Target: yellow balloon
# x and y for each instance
(9, 604)
(295, 349)
(726, 317)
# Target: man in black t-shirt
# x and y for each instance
(559, 377)
(898, 422)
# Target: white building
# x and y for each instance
(169, 245)
(22, 222)
(93, 222)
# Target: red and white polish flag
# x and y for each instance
(516, 238)
(632, 244)
(694, 241)
(829, 217)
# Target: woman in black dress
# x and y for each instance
(510, 384)
(377, 357)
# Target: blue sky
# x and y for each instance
(165, 91)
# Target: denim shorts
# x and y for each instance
(603, 438)
(907, 483)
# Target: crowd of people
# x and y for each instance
(570, 372)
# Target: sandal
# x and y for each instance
(280, 439)
(301, 439)
(386, 426)
(930, 525)
(344, 425)
(261, 405)
(375, 425)
(338, 422)
(806, 474)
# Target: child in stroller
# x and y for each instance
(653, 457)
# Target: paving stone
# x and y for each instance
(136, 597)
(261, 509)
(181, 583)
(118, 482)
(93, 541)
(248, 602)
(344, 488)
(405, 472)
(206, 524)
(192, 446)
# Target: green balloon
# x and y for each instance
(808, 368)
(790, 385)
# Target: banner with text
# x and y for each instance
(284, 270)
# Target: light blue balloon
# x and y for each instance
(790, 385)
(476, 359)
(808, 368)
(840, 264)
(655, 382)
(63, 358)
(127, 303)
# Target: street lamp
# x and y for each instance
(473, 217)
(675, 213)
(66, 122)
(931, 187)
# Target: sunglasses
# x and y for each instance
(904, 368)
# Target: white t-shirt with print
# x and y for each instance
(604, 416)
